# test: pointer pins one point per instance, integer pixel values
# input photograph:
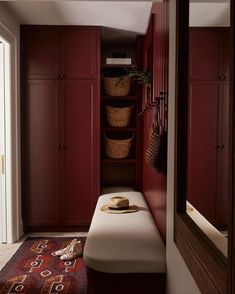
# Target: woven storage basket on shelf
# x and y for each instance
(118, 149)
(118, 116)
(117, 86)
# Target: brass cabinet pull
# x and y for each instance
(3, 165)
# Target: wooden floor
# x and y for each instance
(8, 250)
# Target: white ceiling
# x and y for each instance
(209, 14)
(130, 16)
(210, 1)
(121, 20)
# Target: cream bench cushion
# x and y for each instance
(124, 243)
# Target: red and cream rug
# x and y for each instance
(35, 269)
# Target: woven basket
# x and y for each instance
(118, 149)
(118, 116)
(117, 86)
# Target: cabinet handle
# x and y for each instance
(61, 146)
(61, 76)
(222, 77)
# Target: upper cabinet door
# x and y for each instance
(225, 39)
(160, 36)
(81, 51)
(204, 60)
(40, 53)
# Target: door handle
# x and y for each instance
(61, 146)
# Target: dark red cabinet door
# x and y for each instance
(225, 39)
(41, 53)
(223, 154)
(81, 53)
(160, 50)
(202, 147)
(204, 60)
(43, 156)
(61, 179)
(82, 151)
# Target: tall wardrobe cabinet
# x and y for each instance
(208, 123)
(60, 129)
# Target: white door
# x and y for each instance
(3, 203)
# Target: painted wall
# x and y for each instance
(209, 14)
(9, 30)
(8, 19)
(179, 279)
(154, 184)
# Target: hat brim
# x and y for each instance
(131, 208)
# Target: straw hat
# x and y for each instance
(118, 204)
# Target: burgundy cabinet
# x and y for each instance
(202, 146)
(41, 53)
(42, 202)
(225, 41)
(208, 123)
(82, 152)
(60, 125)
(160, 35)
(156, 59)
(209, 53)
(223, 160)
(60, 52)
(81, 54)
(204, 46)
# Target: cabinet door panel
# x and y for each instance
(204, 61)
(202, 151)
(81, 53)
(42, 181)
(226, 53)
(41, 53)
(223, 177)
(82, 151)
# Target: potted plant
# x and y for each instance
(141, 76)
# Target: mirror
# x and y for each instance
(207, 190)
(211, 264)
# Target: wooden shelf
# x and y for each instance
(116, 129)
(125, 160)
(105, 97)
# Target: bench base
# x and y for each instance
(138, 283)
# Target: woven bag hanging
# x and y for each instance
(156, 152)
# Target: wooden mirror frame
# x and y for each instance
(212, 271)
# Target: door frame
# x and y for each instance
(3, 222)
(12, 141)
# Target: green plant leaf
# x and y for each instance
(141, 76)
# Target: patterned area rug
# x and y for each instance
(34, 269)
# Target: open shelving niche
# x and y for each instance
(126, 171)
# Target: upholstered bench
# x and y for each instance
(124, 253)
